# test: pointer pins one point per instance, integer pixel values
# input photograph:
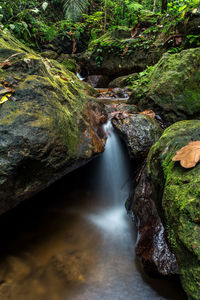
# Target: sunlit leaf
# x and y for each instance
(44, 5)
(189, 155)
(5, 98)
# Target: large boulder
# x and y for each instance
(172, 87)
(97, 81)
(48, 124)
(176, 194)
(117, 53)
(123, 81)
(156, 255)
(139, 132)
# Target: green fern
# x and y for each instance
(73, 9)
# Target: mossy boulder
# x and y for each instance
(176, 193)
(50, 54)
(49, 125)
(68, 62)
(172, 87)
(147, 17)
(117, 53)
(123, 81)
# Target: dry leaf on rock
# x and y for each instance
(149, 113)
(125, 50)
(6, 64)
(189, 155)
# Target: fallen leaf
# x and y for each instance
(5, 98)
(135, 30)
(125, 50)
(149, 113)
(6, 90)
(189, 155)
(63, 78)
(6, 64)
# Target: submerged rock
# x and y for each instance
(176, 194)
(139, 132)
(172, 87)
(98, 81)
(48, 124)
(151, 247)
(123, 81)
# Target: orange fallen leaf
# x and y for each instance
(6, 90)
(189, 155)
(125, 50)
(149, 113)
(63, 78)
(6, 64)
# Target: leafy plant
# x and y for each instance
(73, 9)
(194, 39)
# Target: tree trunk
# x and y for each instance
(164, 6)
(105, 15)
(154, 5)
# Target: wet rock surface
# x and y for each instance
(48, 124)
(151, 247)
(98, 81)
(139, 132)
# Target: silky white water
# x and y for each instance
(75, 241)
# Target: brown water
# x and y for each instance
(75, 241)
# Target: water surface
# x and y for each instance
(75, 240)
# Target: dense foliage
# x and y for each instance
(36, 22)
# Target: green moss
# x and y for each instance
(59, 97)
(179, 199)
(172, 86)
(70, 64)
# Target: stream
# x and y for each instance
(75, 240)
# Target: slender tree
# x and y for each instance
(164, 6)
(154, 5)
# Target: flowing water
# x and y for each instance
(79, 76)
(75, 240)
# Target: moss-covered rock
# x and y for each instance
(123, 81)
(68, 62)
(172, 87)
(176, 193)
(147, 17)
(50, 54)
(48, 123)
(117, 53)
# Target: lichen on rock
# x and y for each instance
(48, 127)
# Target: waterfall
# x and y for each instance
(112, 185)
(113, 170)
(79, 76)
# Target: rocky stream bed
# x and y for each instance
(50, 125)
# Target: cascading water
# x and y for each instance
(79, 76)
(112, 183)
(75, 241)
(114, 169)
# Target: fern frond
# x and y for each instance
(73, 9)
